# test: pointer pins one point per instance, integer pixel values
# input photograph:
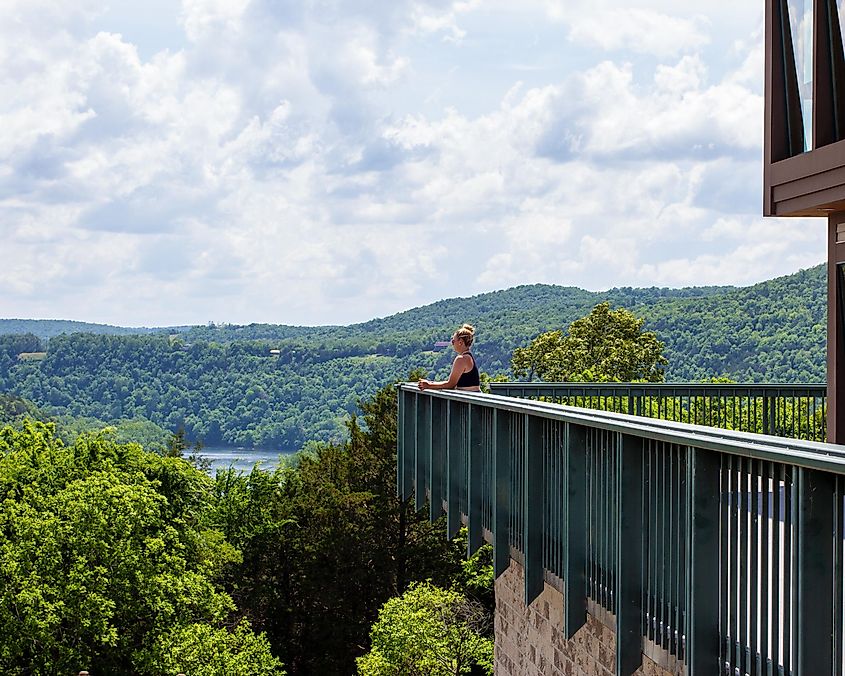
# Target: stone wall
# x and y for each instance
(529, 641)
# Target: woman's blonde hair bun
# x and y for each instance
(466, 333)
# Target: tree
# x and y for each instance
(428, 631)
(325, 542)
(105, 561)
(202, 650)
(605, 346)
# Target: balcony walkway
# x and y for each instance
(722, 548)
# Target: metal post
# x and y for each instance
(533, 508)
(409, 443)
(768, 415)
(502, 443)
(400, 441)
(423, 450)
(575, 536)
(629, 554)
(454, 474)
(475, 535)
(439, 429)
(704, 499)
(814, 548)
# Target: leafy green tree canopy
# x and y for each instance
(428, 631)
(605, 346)
(105, 563)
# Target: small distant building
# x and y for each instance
(32, 356)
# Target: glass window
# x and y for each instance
(840, 6)
(801, 25)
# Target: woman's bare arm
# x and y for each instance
(459, 367)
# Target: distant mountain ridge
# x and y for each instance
(276, 385)
(48, 328)
(518, 298)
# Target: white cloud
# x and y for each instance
(202, 18)
(268, 170)
(639, 30)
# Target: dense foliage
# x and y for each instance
(124, 561)
(107, 560)
(15, 411)
(224, 386)
(429, 631)
(606, 345)
(326, 542)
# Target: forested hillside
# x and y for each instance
(118, 560)
(47, 328)
(224, 385)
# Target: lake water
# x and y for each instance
(242, 459)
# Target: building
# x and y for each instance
(804, 149)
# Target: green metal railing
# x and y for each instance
(794, 411)
(722, 548)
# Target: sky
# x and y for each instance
(328, 162)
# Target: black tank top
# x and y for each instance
(470, 378)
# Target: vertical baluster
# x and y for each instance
(646, 549)
(705, 488)
(753, 624)
(560, 484)
(400, 442)
(654, 540)
(607, 487)
(423, 450)
(575, 514)
(814, 546)
(454, 473)
(533, 509)
(675, 523)
(615, 524)
(502, 497)
(629, 558)
(680, 540)
(672, 558)
(765, 568)
(601, 508)
(475, 477)
(439, 428)
(519, 435)
(788, 566)
(837, 577)
(663, 553)
(409, 452)
(776, 472)
(734, 423)
(811, 422)
(544, 503)
(591, 531)
(736, 496)
(745, 506)
(724, 567)
(683, 534)
(550, 493)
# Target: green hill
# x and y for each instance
(48, 328)
(223, 384)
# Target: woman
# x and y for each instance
(464, 375)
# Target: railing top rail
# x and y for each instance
(677, 388)
(810, 454)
